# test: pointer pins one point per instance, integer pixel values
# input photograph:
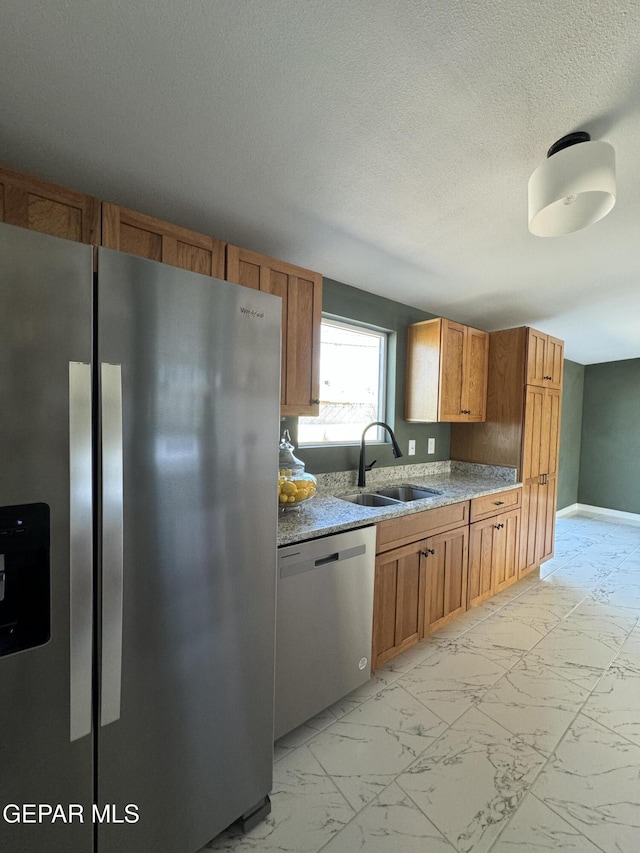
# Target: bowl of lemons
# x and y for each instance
(295, 488)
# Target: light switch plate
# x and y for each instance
(412, 447)
(431, 445)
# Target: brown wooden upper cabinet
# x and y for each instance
(447, 366)
(147, 237)
(42, 206)
(301, 293)
(545, 360)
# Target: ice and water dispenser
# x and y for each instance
(25, 610)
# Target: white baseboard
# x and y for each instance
(572, 509)
(578, 509)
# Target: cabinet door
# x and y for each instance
(506, 558)
(538, 523)
(545, 360)
(445, 558)
(547, 510)
(481, 536)
(474, 401)
(42, 206)
(142, 235)
(494, 555)
(529, 529)
(541, 434)
(535, 439)
(452, 368)
(398, 608)
(423, 371)
(304, 314)
(301, 294)
(550, 439)
(536, 358)
(554, 362)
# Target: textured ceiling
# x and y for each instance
(385, 143)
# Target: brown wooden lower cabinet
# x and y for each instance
(445, 558)
(507, 561)
(424, 584)
(538, 522)
(418, 588)
(398, 606)
(493, 555)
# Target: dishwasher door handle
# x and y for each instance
(330, 558)
(288, 570)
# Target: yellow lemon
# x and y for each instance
(288, 488)
(283, 499)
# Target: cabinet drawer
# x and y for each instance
(489, 505)
(401, 531)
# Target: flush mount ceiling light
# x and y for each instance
(573, 188)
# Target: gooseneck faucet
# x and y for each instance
(395, 447)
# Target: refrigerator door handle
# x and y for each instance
(112, 542)
(80, 550)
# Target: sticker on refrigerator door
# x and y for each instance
(362, 663)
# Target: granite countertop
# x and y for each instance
(326, 513)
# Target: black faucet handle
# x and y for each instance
(370, 465)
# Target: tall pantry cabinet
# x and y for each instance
(522, 430)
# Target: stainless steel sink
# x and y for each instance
(369, 499)
(407, 493)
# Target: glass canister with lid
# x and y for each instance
(295, 486)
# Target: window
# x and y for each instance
(352, 384)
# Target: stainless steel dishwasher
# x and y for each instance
(323, 623)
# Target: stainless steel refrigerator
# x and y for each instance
(138, 451)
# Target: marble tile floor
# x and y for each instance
(515, 729)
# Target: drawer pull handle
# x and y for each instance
(498, 503)
(498, 526)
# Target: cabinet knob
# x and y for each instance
(427, 552)
(498, 526)
(465, 411)
(315, 402)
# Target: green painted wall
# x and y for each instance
(354, 304)
(610, 451)
(570, 434)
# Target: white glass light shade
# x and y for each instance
(572, 189)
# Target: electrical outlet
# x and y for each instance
(412, 448)
(431, 445)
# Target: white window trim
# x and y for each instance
(384, 335)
